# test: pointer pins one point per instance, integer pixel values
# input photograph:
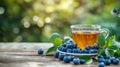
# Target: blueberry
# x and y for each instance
(60, 48)
(100, 56)
(112, 58)
(101, 60)
(85, 51)
(40, 51)
(106, 57)
(115, 10)
(69, 50)
(64, 49)
(79, 50)
(76, 61)
(91, 47)
(61, 56)
(75, 51)
(68, 45)
(87, 47)
(82, 61)
(107, 61)
(116, 61)
(67, 59)
(94, 47)
(71, 42)
(72, 57)
(93, 51)
(74, 46)
(71, 45)
(101, 64)
(64, 45)
(56, 54)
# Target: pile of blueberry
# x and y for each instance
(104, 60)
(69, 58)
(71, 47)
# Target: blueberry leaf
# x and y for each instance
(51, 49)
(54, 35)
(117, 53)
(109, 52)
(116, 43)
(88, 59)
(110, 40)
(113, 47)
(101, 51)
(66, 39)
(56, 39)
(101, 40)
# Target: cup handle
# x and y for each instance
(105, 32)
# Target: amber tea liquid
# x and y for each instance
(84, 38)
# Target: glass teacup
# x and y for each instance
(84, 35)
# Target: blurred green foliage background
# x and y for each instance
(36, 20)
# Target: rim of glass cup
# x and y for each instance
(78, 26)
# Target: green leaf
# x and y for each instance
(110, 40)
(101, 51)
(51, 49)
(88, 59)
(53, 36)
(117, 53)
(101, 40)
(66, 39)
(56, 39)
(116, 43)
(109, 52)
(113, 38)
(113, 47)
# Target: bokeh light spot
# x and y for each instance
(2, 10)
(40, 23)
(26, 24)
(47, 30)
(47, 20)
(35, 18)
(19, 38)
(16, 30)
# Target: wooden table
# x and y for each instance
(25, 55)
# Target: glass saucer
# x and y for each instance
(77, 54)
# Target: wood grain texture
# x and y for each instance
(25, 55)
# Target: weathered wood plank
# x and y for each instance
(25, 55)
(24, 46)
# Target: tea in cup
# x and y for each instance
(84, 35)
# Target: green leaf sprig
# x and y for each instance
(108, 47)
(56, 39)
